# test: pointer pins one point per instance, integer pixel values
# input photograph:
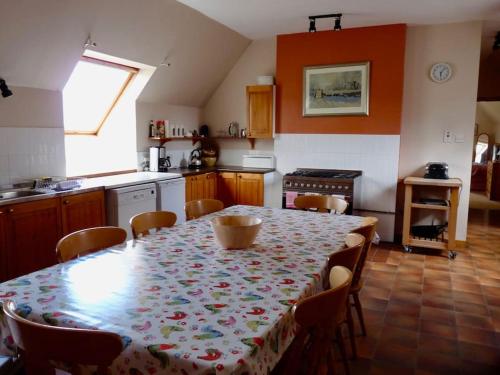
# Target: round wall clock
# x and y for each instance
(441, 72)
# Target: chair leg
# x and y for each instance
(340, 341)
(359, 311)
(350, 325)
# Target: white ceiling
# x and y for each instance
(263, 18)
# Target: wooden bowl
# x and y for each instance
(236, 232)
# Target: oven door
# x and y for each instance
(289, 196)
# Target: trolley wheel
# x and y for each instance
(407, 249)
(452, 254)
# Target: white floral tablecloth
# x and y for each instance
(182, 304)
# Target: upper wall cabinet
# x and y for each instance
(260, 111)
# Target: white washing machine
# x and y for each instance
(125, 202)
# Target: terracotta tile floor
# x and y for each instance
(426, 314)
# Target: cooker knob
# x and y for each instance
(320, 186)
(296, 184)
(314, 185)
(308, 185)
(346, 187)
(302, 185)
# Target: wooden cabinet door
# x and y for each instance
(210, 185)
(83, 211)
(33, 230)
(250, 188)
(3, 243)
(199, 187)
(226, 188)
(260, 111)
(189, 188)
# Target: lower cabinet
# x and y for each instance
(241, 188)
(201, 186)
(30, 231)
(81, 211)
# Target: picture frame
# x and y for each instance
(336, 90)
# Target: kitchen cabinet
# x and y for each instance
(30, 232)
(241, 188)
(260, 111)
(202, 186)
(82, 211)
(226, 188)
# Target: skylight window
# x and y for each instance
(91, 93)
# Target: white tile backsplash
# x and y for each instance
(377, 156)
(27, 153)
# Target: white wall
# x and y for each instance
(189, 117)
(430, 108)
(228, 102)
(31, 135)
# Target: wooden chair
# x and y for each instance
(367, 231)
(321, 316)
(201, 207)
(142, 223)
(348, 257)
(322, 203)
(38, 344)
(87, 241)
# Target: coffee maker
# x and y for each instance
(158, 159)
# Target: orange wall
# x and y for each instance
(383, 46)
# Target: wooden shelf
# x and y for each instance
(430, 206)
(197, 139)
(439, 245)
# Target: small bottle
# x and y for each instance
(152, 129)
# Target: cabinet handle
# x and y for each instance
(66, 202)
(1, 212)
(10, 210)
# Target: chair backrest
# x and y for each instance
(201, 207)
(322, 203)
(367, 231)
(348, 257)
(41, 343)
(87, 241)
(142, 223)
(318, 311)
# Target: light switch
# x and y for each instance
(459, 138)
(447, 136)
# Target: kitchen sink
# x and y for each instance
(18, 194)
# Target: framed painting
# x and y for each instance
(332, 90)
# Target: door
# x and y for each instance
(210, 185)
(33, 231)
(250, 189)
(83, 211)
(260, 111)
(199, 187)
(226, 188)
(3, 243)
(171, 197)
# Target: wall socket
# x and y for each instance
(447, 136)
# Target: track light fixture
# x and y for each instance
(337, 26)
(5, 89)
(312, 25)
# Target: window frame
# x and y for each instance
(132, 73)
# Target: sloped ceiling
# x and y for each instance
(41, 41)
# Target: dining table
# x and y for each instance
(180, 302)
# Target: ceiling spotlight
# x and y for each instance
(89, 43)
(337, 26)
(5, 89)
(312, 25)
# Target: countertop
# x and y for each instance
(129, 179)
